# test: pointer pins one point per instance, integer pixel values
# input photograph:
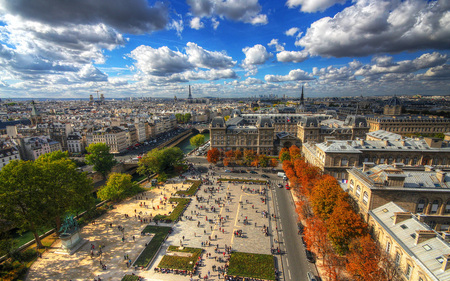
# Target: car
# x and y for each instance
(311, 277)
(303, 241)
(287, 187)
(253, 172)
(227, 171)
(300, 228)
(265, 176)
(310, 256)
(243, 171)
(280, 185)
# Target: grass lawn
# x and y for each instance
(243, 180)
(182, 202)
(252, 266)
(192, 190)
(181, 262)
(150, 251)
(130, 278)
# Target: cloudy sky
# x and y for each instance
(223, 48)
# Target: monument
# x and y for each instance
(70, 236)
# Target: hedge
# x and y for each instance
(181, 263)
(152, 248)
(130, 278)
(192, 190)
(243, 180)
(182, 202)
(251, 265)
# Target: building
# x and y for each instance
(57, 131)
(75, 143)
(236, 134)
(409, 124)
(393, 107)
(114, 137)
(420, 253)
(33, 147)
(35, 116)
(334, 157)
(8, 154)
(314, 129)
(426, 193)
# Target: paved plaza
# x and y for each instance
(215, 214)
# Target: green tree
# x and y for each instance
(226, 117)
(118, 187)
(22, 198)
(66, 188)
(249, 156)
(100, 157)
(162, 177)
(264, 160)
(159, 160)
(197, 140)
(187, 117)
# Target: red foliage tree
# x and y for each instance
(226, 162)
(230, 154)
(238, 154)
(294, 152)
(213, 155)
(363, 260)
(273, 162)
(325, 195)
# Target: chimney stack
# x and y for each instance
(401, 216)
(423, 235)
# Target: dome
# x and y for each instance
(394, 101)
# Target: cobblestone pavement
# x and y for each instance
(245, 203)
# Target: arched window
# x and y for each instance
(344, 161)
(358, 191)
(391, 160)
(351, 185)
(434, 206)
(420, 205)
(365, 197)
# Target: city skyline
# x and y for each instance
(233, 48)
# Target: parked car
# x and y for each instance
(300, 228)
(227, 171)
(253, 172)
(280, 185)
(310, 256)
(287, 187)
(265, 176)
(303, 241)
(311, 277)
(243, 171)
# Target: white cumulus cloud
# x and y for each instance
(207, 59)
(278, 47)
(294, 75)
(292, 31)
(311, 6)
(292, 56)
(196, 23)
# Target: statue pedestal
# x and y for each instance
(70, 243)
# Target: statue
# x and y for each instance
(69, 225)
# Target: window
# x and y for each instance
(358, 191)
(352, 184)
(447, 207)
(397, 259)
(408, 271)
(365, 197)
(420, 206)
(388, 247)
(344, 161)
(434, 206)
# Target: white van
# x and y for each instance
(281, 174)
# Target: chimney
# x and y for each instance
(386, 143)
(423, 235)
(401, 216)
(428, 168)
(440, 175)
(446, 236)
(367, 166)
(446, 263)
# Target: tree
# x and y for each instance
(187, 117)
(230, 154)
(273, 162)
(263, 160)
(118, 187)
(22, 198)
(238, 154)
(159, 160)
(324, 196)
(197, 140)
(294, 152)
(249, 156)
(344, 225)
(226, 161)
(226, 117)
(363, 259)
(213, 155)
(284, 154)
(100, 157)
(66, 188)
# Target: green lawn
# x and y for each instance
(130, 278)
(180, 262)
(152, 248)
(182, 202)
(252, 266)
(192, 190)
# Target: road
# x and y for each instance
(295, 264)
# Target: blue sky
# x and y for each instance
(223, 48)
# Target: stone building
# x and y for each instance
(236, 134)
(426, 193)
(409, 124)
(393, 107)
(114, 137)
(334, 157)
(419, 253)
(313, 129)
(75, 143)
(8, 154)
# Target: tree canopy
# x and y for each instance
(213, 155)
(197, 140)
(157, 160)
(100, 157)
(118, 187)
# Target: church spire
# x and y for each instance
(302, 98)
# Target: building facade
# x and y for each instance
(407, 125)
(115, 138)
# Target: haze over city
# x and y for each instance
(233, 48)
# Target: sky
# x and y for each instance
(223, 48)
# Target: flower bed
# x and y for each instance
(176, 213)
(180, 262)
(152, 248)
(244, 180)
(252, 266)
(192, 190)
(130, 278)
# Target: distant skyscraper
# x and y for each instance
(190, 94)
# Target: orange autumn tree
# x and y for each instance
(344, 225)
(363, 260)
(213, 155)
(315, 235)
(273, 162)
(294, 152)
(324, 196)
(238, 154)
(230, 154)
(226, 162)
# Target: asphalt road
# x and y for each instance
(295, 264)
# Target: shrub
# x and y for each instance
(152, 248)
(182, 202)
(192, 190)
